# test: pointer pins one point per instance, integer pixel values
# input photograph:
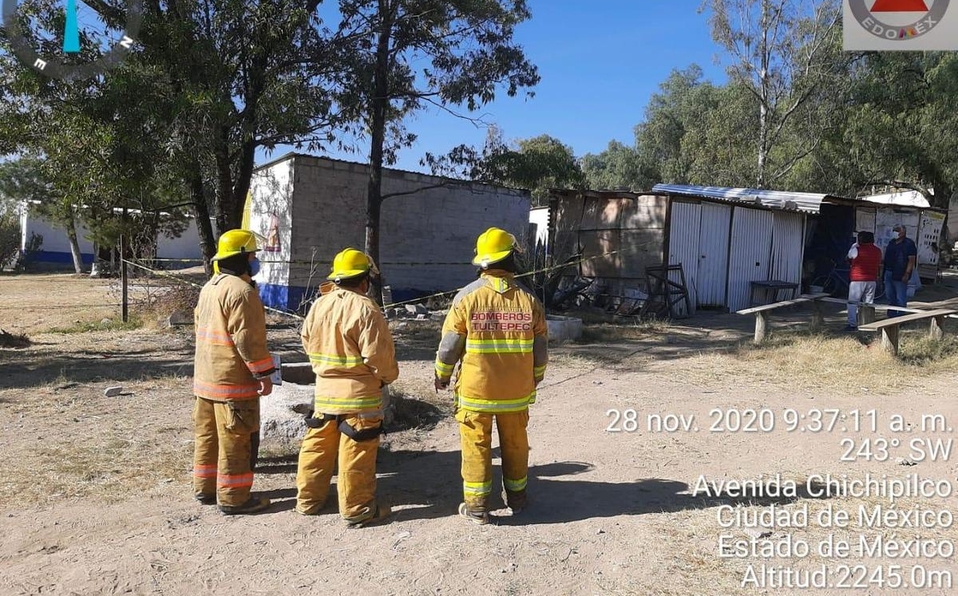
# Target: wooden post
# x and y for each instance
(124, 302)
(818, 319)
(761, 326)
(937, 328)
(889, 339)
(866, 314)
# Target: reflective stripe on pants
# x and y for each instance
(475, 432)
(221, 451)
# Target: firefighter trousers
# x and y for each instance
(356, 480)
(221, 450)
(475, 433)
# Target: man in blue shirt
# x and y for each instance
(900, 258)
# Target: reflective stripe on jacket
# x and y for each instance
(351, 351)
(231, 348)
(498, 330)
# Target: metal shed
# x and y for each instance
(724, 238)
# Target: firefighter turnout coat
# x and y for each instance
(498, 330)
(351, 351)
(231, 351)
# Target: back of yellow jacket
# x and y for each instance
(499, 331)
(351, 351)
(231, 351)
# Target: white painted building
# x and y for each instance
(309, 208)
(54, 250)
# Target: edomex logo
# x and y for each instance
(66, 61)
(898, 19)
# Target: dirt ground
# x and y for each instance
(95, 493)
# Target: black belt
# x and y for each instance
(366, 434)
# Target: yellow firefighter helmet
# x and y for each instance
(235, 242)
(348, 264)
(492, 246)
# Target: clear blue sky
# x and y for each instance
(600, 61)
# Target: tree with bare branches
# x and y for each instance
(786, 53)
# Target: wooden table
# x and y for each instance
(771, 288)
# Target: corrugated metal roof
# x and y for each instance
(772, 199)
(903, 198)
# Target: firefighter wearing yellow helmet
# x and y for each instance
(497, 329)
(232, 371)
(352, 354)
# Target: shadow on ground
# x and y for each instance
(36, 370)
(427, 485)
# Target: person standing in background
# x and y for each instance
(865, 261)
(901, 255)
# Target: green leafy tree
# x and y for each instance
(676, 120)
(537, 164)
(618, 167)
(403, 55)
(31, 183)
(894, 117)
(719, 147)
(232, 76)
(209, 83)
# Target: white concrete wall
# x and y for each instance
(54, 237)
(329, 214)
(186, 246)
(56, 243)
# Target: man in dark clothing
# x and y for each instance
(901, 255)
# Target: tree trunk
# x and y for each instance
(74, 244)
(202, 214)
(762, 144)
(243, 177)
(380, 103)
(229, 211)
(763, 87)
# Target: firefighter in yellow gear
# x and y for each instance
(498, 330)
(232, 371)
(351, 351)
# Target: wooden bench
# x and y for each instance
(889, 327)
(762, 312)
(866, 312)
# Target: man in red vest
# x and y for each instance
(865, 259)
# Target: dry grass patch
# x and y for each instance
(108, 467)
(839, 364)
(71, 442)
(612, 332)
(104, 325)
